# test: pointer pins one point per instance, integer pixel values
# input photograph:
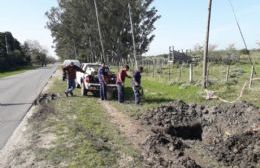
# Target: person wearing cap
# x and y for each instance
(120, 80)
(71, 70)
(102, 77)
(136, 84)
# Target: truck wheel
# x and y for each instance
(110, 94)
(83, 90)
(77, 85)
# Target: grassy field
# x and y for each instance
(16, 71)
(84, 136)
(160, 87)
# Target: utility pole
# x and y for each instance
(75, 49)
(206, 50)
(6, 45)
(100, 35)
(241, 33)
(133, 37)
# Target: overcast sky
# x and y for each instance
(183, 22)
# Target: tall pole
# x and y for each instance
(99, 31)
(75, 50)
(133, 37)
(241, 33)
(206, 50)
(6, 45)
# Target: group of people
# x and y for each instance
(71, 70)
(120, 81)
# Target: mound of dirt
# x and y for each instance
(242, 150)
(227, 120)
(166, 151)
(221, 130)
(177, 119)
(44, 107)
(44, 99)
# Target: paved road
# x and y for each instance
(17, 93)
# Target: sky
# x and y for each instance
(182, 23)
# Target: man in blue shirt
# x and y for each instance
(102, 77)
(136, 84)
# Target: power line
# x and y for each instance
(241, 33)
(238, 25)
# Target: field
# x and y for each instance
(175, 126)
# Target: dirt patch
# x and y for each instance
(44, 108)
(162, 150)
(242, 150)
(227, 132)
(132, 129)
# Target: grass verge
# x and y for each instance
(84, 135)
(16, 71)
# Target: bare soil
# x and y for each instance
(197, 136)
(132, 129)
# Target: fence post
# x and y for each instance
(191, 73)
(169, 68)
(180, 72)
(251, 77)
(153, 66)
(227, 75)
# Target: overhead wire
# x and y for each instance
(241, 33)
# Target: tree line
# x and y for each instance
(13, 54)
(74, 26)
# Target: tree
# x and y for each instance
(231, 47)
(38, 55)
(213, 47)
(74, 27)
(258, 44)
(12, 54)
(231, 53)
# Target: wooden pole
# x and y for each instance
(75, 50)
(206, 50)
(227, 75)
(180, 72)
(169, 68)
(251, 77)
(99, 32)
(153, 67)
(133, 37)
(191, 73)
(6, 45)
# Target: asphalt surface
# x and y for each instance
(17, 94)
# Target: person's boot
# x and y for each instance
(66, 93)
(71, 93)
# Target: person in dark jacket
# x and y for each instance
(136, 84)
(120, 80)
(102, 77)
(71, 70)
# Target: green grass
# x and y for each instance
(16, 71)
(85, 137)
(159, 88)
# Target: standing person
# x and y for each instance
(102, 75)
(120, 80)
(136, 84)
(71, 70)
